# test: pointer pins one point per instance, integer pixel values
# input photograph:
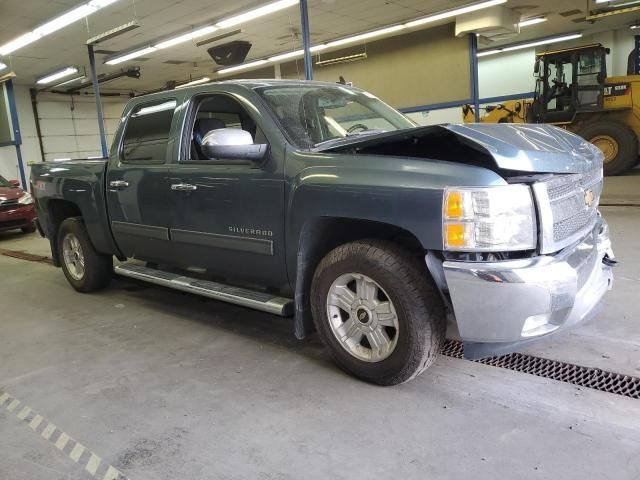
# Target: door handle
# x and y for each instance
(119, 184)
(183, 187)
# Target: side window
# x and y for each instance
(147, 133)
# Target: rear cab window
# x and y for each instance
(147, 132)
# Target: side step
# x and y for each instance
(262, 301)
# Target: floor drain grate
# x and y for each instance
(565, 372)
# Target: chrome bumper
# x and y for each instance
(507, 303)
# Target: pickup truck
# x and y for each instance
(320, 202)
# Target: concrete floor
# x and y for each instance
(163, 385)
(622, 190)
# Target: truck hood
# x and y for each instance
(515, 147)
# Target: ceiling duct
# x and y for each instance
(495, 23)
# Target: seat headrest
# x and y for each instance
(204, 126)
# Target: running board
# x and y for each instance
(262, 301)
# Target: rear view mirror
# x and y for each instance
(14, 183)
(232, 144)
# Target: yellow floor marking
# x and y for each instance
(77, 452)
(35, 423)
(93, 464)
(62, 441)
(12, 406)
(23, 413)
(112, 474)
(48, 431)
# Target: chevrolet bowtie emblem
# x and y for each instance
(588, 198)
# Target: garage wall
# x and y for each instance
(506, 73)
(69, 124)
(419, 68)
(30, 147)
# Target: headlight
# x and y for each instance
(26, 199)
(491, 219)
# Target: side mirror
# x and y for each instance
(14, 183)
(232, 144)
(536, 67)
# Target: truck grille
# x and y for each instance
(568, 207)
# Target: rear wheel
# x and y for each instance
(377, 311)
(30, 229)
(86, 269)
(618, 143)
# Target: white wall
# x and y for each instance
(30, 147)
(69, 124)
(506, 73)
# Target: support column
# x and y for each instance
(96, 92)
(473, 65)
(17, 137)
(306, 40)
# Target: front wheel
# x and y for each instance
(377, 311)
(86, 269)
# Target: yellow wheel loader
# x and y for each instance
(574, 92)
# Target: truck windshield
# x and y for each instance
(315, 114)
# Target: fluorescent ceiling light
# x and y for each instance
(130, 55)
(364, 36)
(296, 53)
(52, 77)
(186, 37)
(256, 13)
(81, 77)
(194, 82)
(61, 21)
(244, 66)
(532, 21)
(454, 12)
(632, 27)
(2, 66)
(535, 43)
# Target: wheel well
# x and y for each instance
(58, 212)
(319, 236)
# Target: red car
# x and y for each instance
(16, 207)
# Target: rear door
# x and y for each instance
(138, 190)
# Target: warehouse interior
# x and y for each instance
(139, 381)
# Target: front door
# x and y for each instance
(228, 214)
(138, 189)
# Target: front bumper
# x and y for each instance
(499, 306)
(19, 217)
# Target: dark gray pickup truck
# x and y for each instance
(321, 202)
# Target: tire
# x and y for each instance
(412, 345)
(97, 268)
(29, 229)
(618, 142)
